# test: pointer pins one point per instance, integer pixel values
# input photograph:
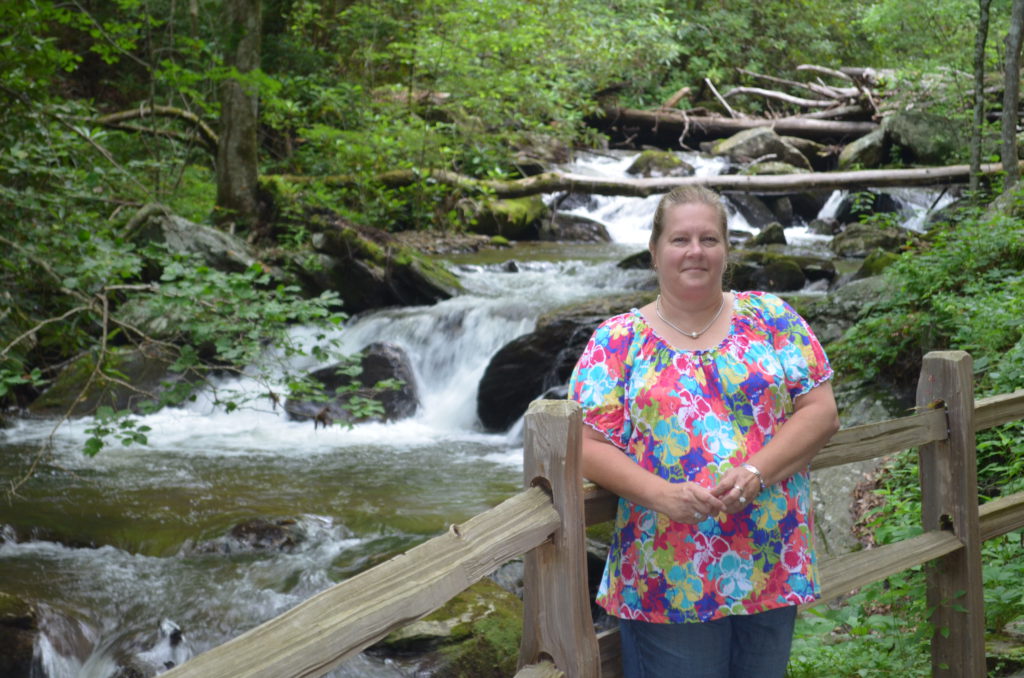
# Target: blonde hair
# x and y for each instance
(685, 195)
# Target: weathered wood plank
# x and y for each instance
(870, 441)
(611, 653)
(541, 670)
(998, 409)
(1002, 515)
(556, 601)
(321, 632)
(949, 499)
(848, 572)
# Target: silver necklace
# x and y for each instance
(691, 335)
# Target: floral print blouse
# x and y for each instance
(691, 416)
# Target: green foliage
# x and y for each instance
(772, 37)
(963, 291)
(938, 34)
(879, 631)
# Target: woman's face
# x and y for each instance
(690, 254)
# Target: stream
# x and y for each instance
(122, 549)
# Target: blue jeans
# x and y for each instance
(738, 646)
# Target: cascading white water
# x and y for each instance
(355, 492)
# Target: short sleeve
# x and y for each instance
(598, 382)
(801, 354)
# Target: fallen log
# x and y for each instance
(673, 128)
(553, 182)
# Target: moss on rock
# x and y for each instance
(514, 218)
(476, 634)
(660, 164)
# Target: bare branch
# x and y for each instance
(822, 89)
(27, 333)
(206, 133)
(825, 71)
(721, 100)
(781, 96)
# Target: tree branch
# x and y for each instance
(206, 133)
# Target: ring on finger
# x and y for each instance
(698, 516)
(743, 500)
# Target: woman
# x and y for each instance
(703, 411)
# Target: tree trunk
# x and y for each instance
(1011, 93)
(671, 129)
(238, 149)
(979, 92)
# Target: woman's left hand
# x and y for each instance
(737, 489)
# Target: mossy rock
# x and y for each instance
(774, 168)
(859, 240)
(514, 218)
(369, 269)
(640, 260)
(876, 262)
(146, 369)
(761, 142)
(772, 234)
(660, 164)
(774, 271)
(928, 138)
(868, 151)
(476, 634)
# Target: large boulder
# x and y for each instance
(760, 144)
(565, 227)
(776, 272)
(19, 628)
(772, 234)
(773, 168)
(216, 248)
(379, 362)
(512, 218)
(660, 164)
(859, 240)
(530, 365)
(927, 138)
(756, 212)
(370, 269)
(831, 315)
(856, 206)
(868, 151)
(820, 156)
(807, 205)
(79, 389)
(537, 153)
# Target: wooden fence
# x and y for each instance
(546, 522)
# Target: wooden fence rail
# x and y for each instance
(547, 520)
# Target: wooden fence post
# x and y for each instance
(949, 501)
(557, 624)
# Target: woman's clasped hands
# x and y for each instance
(692, 503)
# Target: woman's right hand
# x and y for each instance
(689, 503)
